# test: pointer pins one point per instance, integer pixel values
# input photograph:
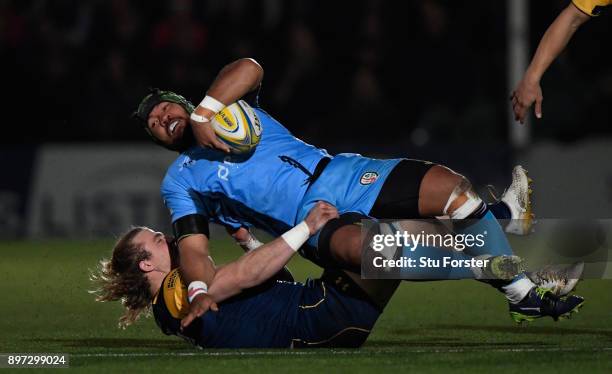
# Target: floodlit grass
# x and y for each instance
(428, 327)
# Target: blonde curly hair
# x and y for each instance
(120, 278)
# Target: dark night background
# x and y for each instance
(337, 73)
(421, 78)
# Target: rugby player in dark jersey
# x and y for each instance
(337, 310)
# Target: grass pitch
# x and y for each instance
(461, 326)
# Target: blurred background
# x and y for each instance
(425, 79)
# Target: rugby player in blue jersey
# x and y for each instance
(283, 178)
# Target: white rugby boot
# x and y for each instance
(560, 280)
(518, 199)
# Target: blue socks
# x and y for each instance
(486, 224)
(496, 243)
(500, 210)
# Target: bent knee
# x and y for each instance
(345, 246)
(463, 201)
(443, 191)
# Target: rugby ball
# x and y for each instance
(238, 126)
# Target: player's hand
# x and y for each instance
(526, 93)
(200, 305)
(204, 132)
(245, 239)
(241, 234)
(319, 215)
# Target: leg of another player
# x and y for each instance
(345, 247)
(438, 184)
(346, 250)
(444, 192)
(379, 290)
(441, 192)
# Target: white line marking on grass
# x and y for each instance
(338, 352)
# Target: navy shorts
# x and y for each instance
(327, 312)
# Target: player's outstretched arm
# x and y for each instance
(259, 265)
(553, 42)
(233, 82)
(248, 242)
(195, 261)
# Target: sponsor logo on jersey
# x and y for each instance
(187, 161)
(223, 172)
(368, 177)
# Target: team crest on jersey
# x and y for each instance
(368, 177)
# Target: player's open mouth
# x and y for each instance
(173, 126)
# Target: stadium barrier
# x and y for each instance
(97, 190)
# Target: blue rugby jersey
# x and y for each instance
(263, 189)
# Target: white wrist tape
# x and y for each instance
(251, 243)
(195, 288)
(212, 104)
(297, 236)
(199, 118)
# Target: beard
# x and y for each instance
(184, 143)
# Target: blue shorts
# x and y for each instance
(350, 182)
